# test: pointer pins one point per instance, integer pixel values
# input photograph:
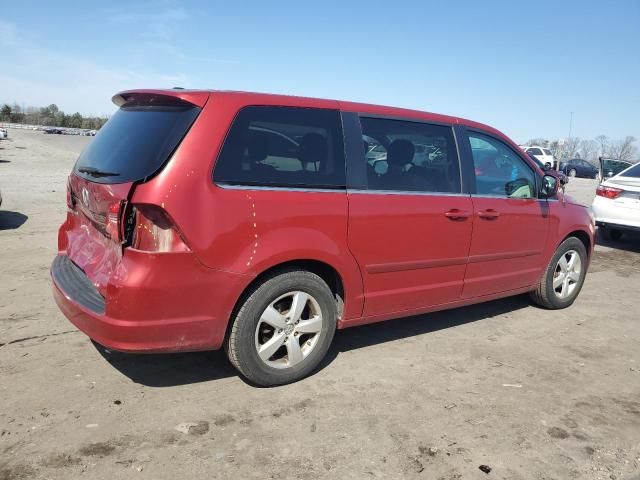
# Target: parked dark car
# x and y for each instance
(576, 167)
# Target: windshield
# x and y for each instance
(135, 143)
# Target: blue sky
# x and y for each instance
(520, 67)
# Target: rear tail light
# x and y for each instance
(113, 221)
(149, 228)
(608, 192)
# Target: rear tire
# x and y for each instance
(268, 320)
(572, 172)
(560, 285)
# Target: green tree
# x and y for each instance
(49, 112)
(59, 119)
(5, 112)
(75, 120)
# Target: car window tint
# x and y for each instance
(499, 170)
(633, 171)
(283, 147)
(136, 142)
(410, 156)
(546, 152)
(535, 151)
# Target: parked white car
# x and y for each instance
(541, 153)
(3, 133)
(616, 206)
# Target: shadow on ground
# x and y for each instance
(11, 220)
(630, 241)
(167, 370)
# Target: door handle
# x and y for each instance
(489, 214)
(457, 214)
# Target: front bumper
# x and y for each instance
(164, 304)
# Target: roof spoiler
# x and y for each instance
(197, 98)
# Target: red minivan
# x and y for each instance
(261, 223)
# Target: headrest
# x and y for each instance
(258, 147)
(400, 152)
(312, 148)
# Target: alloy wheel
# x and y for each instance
(288, 329)
(566, 275)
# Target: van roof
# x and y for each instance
(200, 97)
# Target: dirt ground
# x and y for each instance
(528, 393)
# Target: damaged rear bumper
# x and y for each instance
(154, 303)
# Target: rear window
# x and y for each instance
(283, 147)
(632, 172)
(135, 143)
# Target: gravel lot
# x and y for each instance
(532, 394)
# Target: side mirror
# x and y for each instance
(550, 186)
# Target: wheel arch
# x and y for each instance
(583, 236)
(324, 270)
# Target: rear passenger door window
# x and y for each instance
(410, 156)
(499, 171)
(283, 147)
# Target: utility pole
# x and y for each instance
(570, 124)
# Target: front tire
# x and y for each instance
(283, 329)
(572, 172)
(564, 276)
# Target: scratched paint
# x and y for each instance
(254, 229)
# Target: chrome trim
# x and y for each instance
(503, 197)
(404, 192)
(281, 189)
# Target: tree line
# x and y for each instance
(49, 116)
(591, 149)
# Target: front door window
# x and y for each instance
(499, 170)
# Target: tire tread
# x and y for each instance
(541, 296)
(251, 296)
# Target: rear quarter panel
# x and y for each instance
(249, 230)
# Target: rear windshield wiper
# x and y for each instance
(96, 172)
